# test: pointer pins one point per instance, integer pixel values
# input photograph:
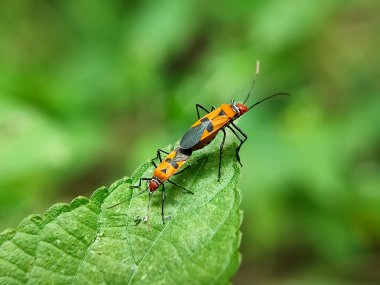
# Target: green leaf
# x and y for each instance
(86, 242)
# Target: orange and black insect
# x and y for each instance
(163, 172)
(201, 133)
(204, 131)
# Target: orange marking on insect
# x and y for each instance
(168, 167)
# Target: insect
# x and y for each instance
(162, 173)
(200, 134)
(204, 131)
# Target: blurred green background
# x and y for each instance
(90, 89)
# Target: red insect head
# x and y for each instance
(153, 185)
(242, 108)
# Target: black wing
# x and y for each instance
(194, 134)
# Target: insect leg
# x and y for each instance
(241, 140)
(179, 186)
(158, 155)
(240, 130)
(154, 164)
(241, 143)
(133, 186)
(197, 106)
(141, 179)
(220, 152)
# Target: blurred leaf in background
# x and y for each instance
(89, 90)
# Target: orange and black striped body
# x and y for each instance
(168, 167)
(204, 131)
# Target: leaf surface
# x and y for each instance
(86, 242)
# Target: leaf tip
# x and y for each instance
(78, 201)
(99, 195)
(7, 235)
(30, 223)
(54, 211)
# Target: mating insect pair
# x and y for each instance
(200, 134)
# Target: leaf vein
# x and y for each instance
(11, 263)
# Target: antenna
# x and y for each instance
(254, 80)
(125, 200)
(271, 96)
